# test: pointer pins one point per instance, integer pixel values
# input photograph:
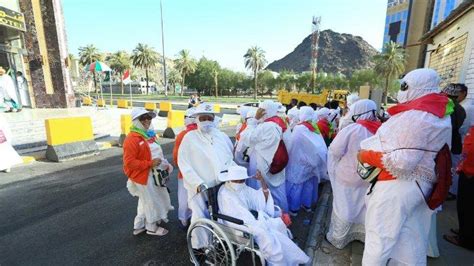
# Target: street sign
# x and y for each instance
(12, 19)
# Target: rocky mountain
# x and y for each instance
(338, 53)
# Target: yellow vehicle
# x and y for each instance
(321, 99)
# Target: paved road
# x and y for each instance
(80, 212)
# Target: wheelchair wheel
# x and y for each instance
(217, 251)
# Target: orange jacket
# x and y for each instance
(137, 160)
(467, 164)
(177, 143)
(374, 158)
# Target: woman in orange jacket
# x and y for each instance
(147, 170)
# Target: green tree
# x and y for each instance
(362, 77)
(185, 65)
(203, 79)
(267, 82)
(87, 55)
(174, 77)
(255, 61)
(287, 80)
(119, 62)
(390, 64)
(303, 81)
(144, 57)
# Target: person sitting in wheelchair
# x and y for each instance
(256, 208)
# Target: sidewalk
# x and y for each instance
(323, 253)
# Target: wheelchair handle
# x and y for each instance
(228, 218)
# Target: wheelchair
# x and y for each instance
(225, 243)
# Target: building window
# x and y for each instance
(435, 14)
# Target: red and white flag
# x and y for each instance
(126, 77)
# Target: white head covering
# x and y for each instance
(204, 108)
(421, 82)
(270, 107)
(234, 172)
(363, 108)
(281, 109)
(139, 111)
(306, 113)
(352, 98)
(322, 113)
(189, 117)
(251, 113)
(243, 110)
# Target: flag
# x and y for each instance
(126, 77)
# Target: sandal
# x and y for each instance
(454, 231)
(453, 240)
(160, 231)
(138, 231)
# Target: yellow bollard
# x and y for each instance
(217, 108)
(101, 102)
(122, 103)
(150, 106)
(165, 107)
(69, 138)
(86, 101)
(125, 124)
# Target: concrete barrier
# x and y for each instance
(122, 103)
(125, 124)
(175, 121)
(69, 138)
(150, 106)
(86, 101)
(101, 103)
(217, 108)
(165, 107)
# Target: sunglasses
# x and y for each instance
(145, 117)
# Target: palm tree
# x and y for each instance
(215, 74)
(174, 77)
(120, 62)
(186, 65)
(255, 60)
(87, 55)
(390, 64)
(144, 57)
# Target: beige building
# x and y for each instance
(450, 47)
(33, 42)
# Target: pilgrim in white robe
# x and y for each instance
(8, 156)
(263, 140)
(405, 237)
(349, 190)
(201, 158)
(154, 201)
(270, 232)
(307, 160)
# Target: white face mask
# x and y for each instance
(237, 187)
(206, 126)
(402, 96)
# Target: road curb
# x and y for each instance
(319, 222)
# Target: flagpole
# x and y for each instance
(131, 99)
(110, 82)
(163, 45)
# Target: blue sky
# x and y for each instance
(221, 30)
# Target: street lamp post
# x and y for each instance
(163, 45)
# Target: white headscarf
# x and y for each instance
(306, 113)
(243, 110)
(421, 82)
(270, 107)
(139, 125)
(362, 109)
(352, 98)
(322, 113)
(189, 119)
(293, 116)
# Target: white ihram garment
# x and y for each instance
(8, 156)
(263, 140)
(270, 233)
(153, 201)
(349, 190)
(398, 219)
(307, 159)
(201, 158)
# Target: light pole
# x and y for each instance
(163, 45)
